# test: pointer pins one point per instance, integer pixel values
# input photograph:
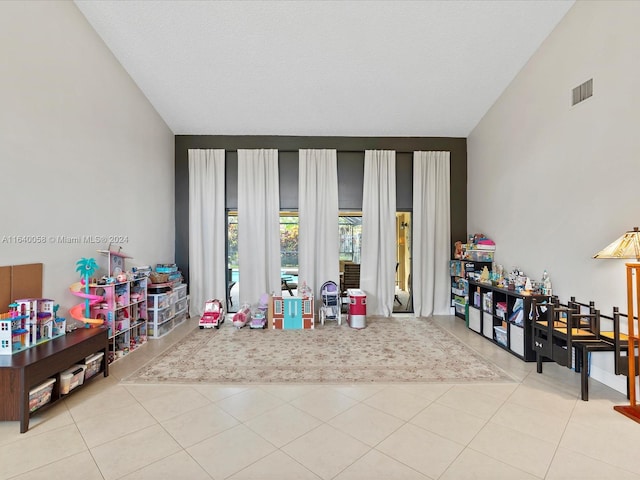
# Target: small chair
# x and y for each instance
(330, 308)
(351, 279)
(395, 297)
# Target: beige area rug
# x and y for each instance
(388, 350)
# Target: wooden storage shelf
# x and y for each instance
(459, 270)
(483, 318)
(25, 370)
(125, 319)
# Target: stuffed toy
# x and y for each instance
(458, 250)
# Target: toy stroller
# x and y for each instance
(330, 308)
(213, 314)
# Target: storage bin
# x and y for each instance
(474, 320)
(41, 395)
(180, 290)
(93, 364)
(160, 316)
(501, 335)
(157, 331)
(517, 339)
(181, 305)
(479, 255)
(71, 378)
(157, 301)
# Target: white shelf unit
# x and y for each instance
(124, 311)
(166, 310)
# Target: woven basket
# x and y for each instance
(159, 277)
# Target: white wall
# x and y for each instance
(554, 184)
(82, 151)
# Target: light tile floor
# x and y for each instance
(536, 427)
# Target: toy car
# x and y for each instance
(258, 320)
(213, 314)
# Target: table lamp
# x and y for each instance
(628, 246)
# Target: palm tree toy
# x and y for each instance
(86, 267)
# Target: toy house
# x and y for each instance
(13, 334)
(291, 312)
(33, 321)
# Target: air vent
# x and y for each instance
(582, 92)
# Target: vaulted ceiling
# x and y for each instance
(339, 68)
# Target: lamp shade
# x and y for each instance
(627, 246)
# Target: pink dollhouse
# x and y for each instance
(30, 321)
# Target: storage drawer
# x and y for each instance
(71, 378)
(93, 363)
(181, 317)
(158, 301)
(41, 395)
(160, 316)
(180, 290)
(474, 319)
(516, 339)
(181, 306)
(487, 325)
(157, 331)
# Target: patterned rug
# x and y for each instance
(388, 350)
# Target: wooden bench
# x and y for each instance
(558, 330)
(25, 370)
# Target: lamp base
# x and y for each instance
(631, 411)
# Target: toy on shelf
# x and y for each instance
(458, 250)
(86, 267)
(479, 248)
(213, 315)
(115, 259)
(29, 322)
(242, 316)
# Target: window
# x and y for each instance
(350, 231)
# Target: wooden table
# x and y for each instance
(583, 348)
(25, 370)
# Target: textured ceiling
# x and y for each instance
(351, 68)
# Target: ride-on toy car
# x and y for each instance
(213, 314)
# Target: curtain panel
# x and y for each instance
(258, 224)
(207, 232)
(318, 242)
(431, 234)
(378, 255)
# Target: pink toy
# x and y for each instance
(213, 314)
(242, 316)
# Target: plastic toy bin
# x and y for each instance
(357, 317)
(71, 378)
(501, 335)
(41, 395)
(93, 364)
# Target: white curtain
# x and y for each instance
(318, 242)
(207, 235)
(431, 234)
(258, 224)
(378, 254)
